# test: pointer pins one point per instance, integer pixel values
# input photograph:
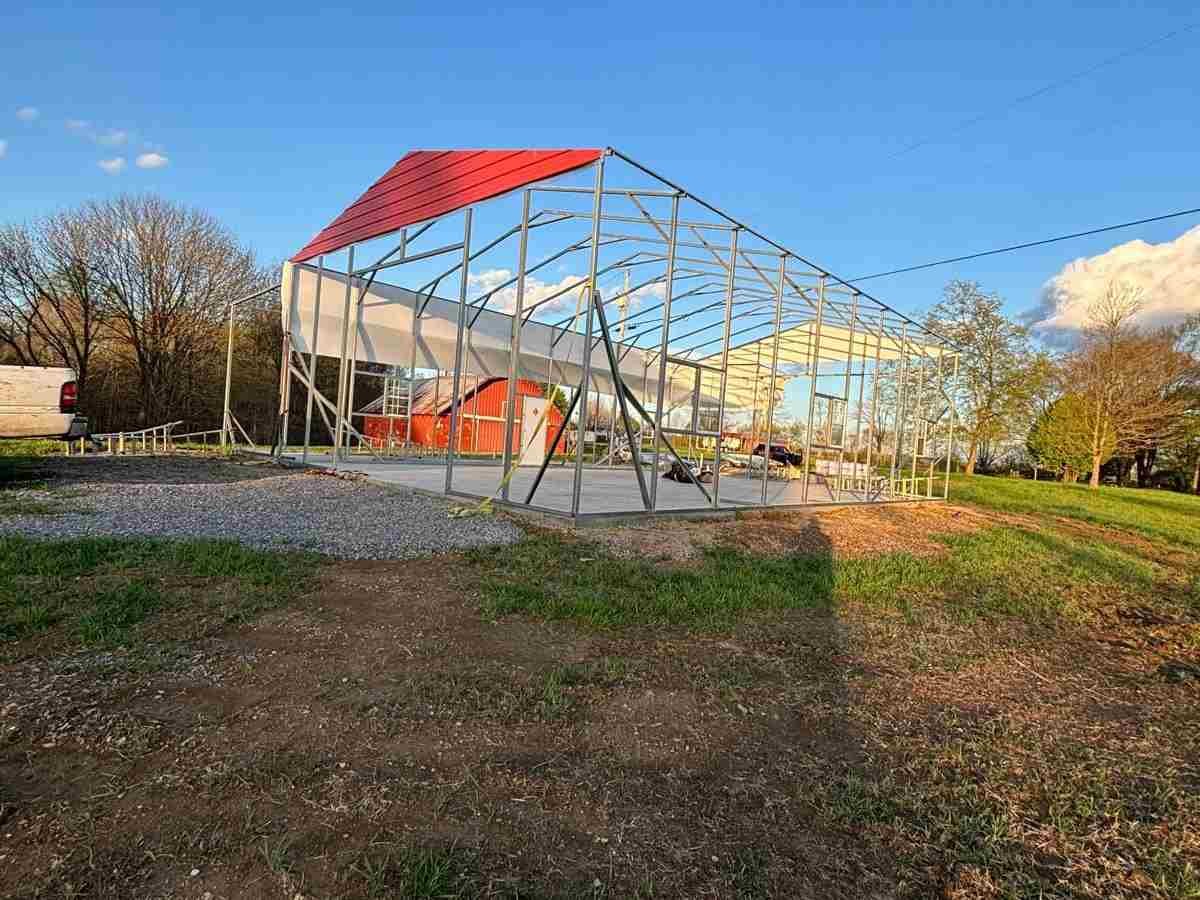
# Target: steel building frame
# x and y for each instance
(735, 318)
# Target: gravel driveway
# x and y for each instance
(261, 505)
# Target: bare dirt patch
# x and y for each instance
(843, 531)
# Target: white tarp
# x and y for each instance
(388, 335)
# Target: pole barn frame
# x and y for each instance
(716, 321)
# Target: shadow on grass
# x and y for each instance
(558, 577)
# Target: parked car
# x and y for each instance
(780, 454)
(39, 402)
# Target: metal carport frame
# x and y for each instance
(725, 320)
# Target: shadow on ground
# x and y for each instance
(383, 737)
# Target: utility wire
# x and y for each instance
(1047, 88)
(1025, 246)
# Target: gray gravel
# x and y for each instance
(295, 510)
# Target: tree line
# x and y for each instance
(1122, 402)
(133, 294)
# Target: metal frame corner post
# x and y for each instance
(456, 398)
(514, 359)
(597, 208)
(339, 423)
(226, 425)
(312, 358)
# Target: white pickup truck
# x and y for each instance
(39, 402)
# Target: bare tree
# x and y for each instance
(169, 273)
(50, 293)
(1133, 384)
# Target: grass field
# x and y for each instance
(993, 699)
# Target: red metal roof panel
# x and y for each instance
(429, 183)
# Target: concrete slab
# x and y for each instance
(605, 490)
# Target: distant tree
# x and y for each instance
(1134, 384)
(1061, 439)
(998, 370)
(558, 397)
(168, 274)
(51, 292)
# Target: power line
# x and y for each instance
(1026, 245)
(1047, 88)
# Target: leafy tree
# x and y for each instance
(1061, 439)
(999, 372)
(558, 397)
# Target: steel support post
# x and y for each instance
(662, 350)
(353, 367)
(953, 422)
(728, 326)
(312, 355)
(862, 390)
(901, 399)
(932, 459)
(226, 425)
(341, 386)
(774, 371)
(812, 390)
(918, 419)
(846, 395)
(597, 207)
(754, 401)
(455, 398)
(412, 374)
(874, 397)
(515, 351)
(285, 393)
(622, 392)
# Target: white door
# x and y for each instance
(533, 430)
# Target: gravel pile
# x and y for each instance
(298, 511)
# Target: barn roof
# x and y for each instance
(430, 391)
(425, 184)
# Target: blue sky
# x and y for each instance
(790, 118)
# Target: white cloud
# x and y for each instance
(112, 166)
(114, 137)
(3, 148)
(536, 291)
(1167, 273)
(28, 113)
(151, 161)
(79, 125)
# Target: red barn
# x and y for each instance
(482, 415)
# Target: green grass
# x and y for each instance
(32, 447)
(100, 590)
(1031, 575)
(416, 873)
(1163, 515)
